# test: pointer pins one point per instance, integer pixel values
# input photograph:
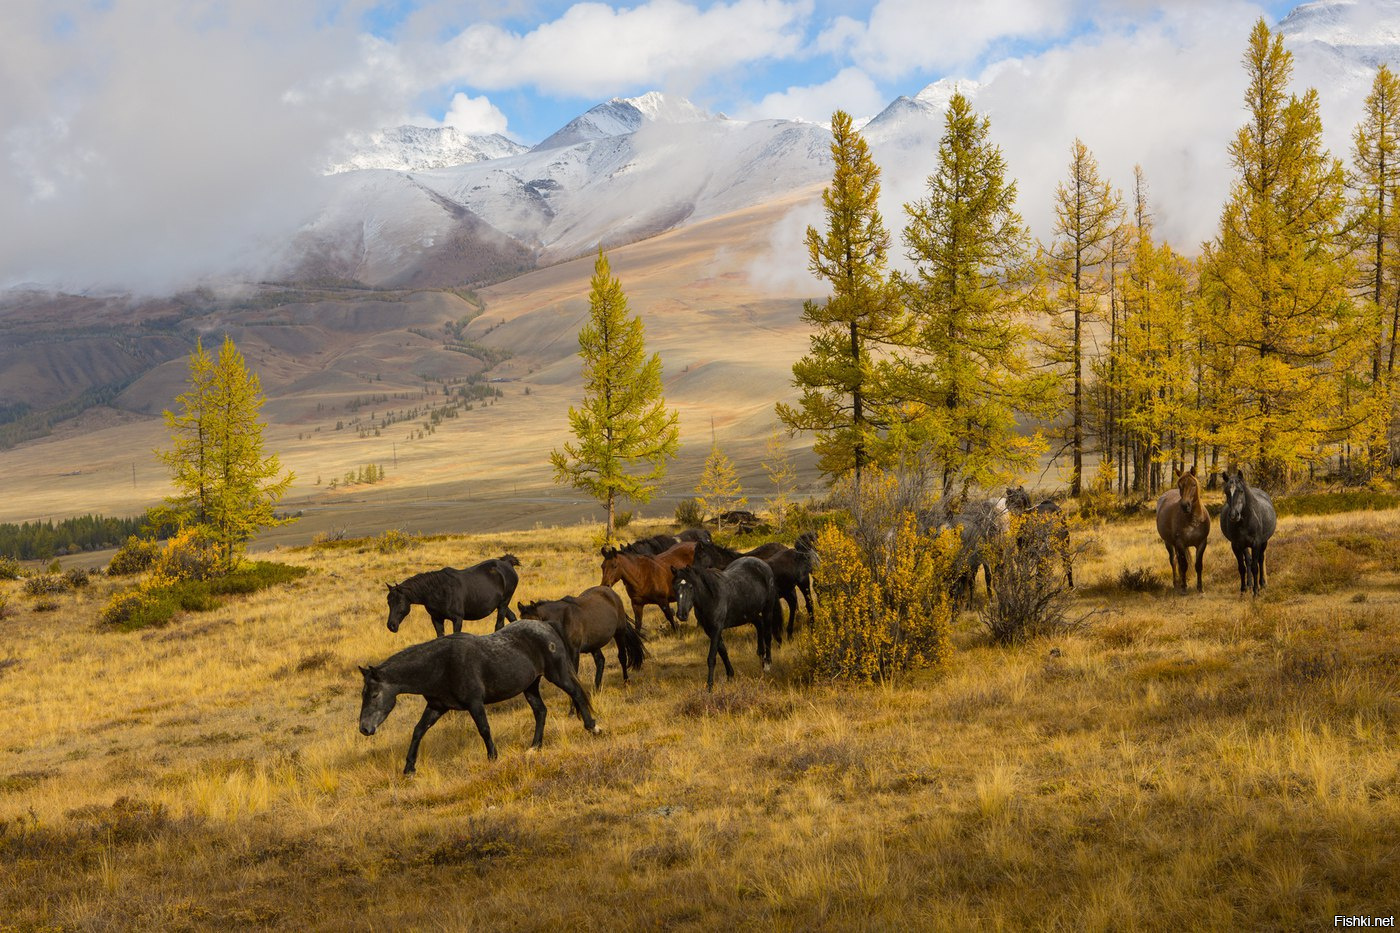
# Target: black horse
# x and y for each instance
(1046, 517)
(458, 594)
(1248, 521)
(792, 571)
(467, 672)
(742, 594)
(657, 544)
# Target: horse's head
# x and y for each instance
(528, 610)
(1190, 489)
(1235, 493)
(611, 572)
(376, 700)
(684, 580)
(1018, 501)
(399, 605)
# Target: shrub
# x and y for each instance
(45, 584)
(1030, 589)
(9, 569)
(621, 520)
(139, 607)
(1139, 580)
(77, 577)
(1099, 500)
(690, 513)
(189, 555)
(882, 611)
(393, 541)
(135, 556)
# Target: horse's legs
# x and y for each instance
(637, 607)
(456, 626)
(1242, 561)
(670, 616)
(564, 679)
(621, 656)
(437, 625)
(724, 656)
(478, 710)
(532, 696)
(598, 663)
(1259, 563)
(806, 587)
(1200, 561)
(425, 722)
(503, 614)
(1179, 567)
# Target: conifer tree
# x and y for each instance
(227, 487)
(843, 381)
(1087, 215)
(965, 375)
(782, 473)
(719, 490)
(1276, 276)
(623, 421)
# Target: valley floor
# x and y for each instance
(1200, 761)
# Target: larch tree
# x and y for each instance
(227, 487)
(1276, 279)
(1088, 213)
(964, 375)
(843, 379)
(719, 490)
(623, 422)
(1375, 185)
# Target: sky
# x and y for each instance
(151, 140)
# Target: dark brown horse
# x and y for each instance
(589, 621)
(646, 578)
(1183, 522)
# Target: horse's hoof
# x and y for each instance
(767, 666)
(597, 729)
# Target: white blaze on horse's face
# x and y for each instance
(684, 597)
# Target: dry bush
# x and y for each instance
(1031, 595)
(137, 555)
(393, 541)
(45, 585)
(9, 568)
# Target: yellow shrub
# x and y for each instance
(189, 555)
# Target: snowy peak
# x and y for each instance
(417, 148)
(940, 92)
(622, 116)
(1345, 23)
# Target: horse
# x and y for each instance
(457, 594)
(980, 524)
(467, 672)
(587, 622)
(1018, 502)
(647, 579)
(1248, 522)
(741, 594)
(660, 543)
(792, 571)
(1183, 522)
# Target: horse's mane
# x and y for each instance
(428, 580)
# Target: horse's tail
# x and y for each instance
(633, 643)
(509, 559)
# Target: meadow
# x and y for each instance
(1199, 761)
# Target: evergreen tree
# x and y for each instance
(226, 487)
(1087, 216)
(719, 490)
(624, 420)
(844, 385)
(1275, 278)
(965, 375)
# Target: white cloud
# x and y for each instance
(594, 49)
(474, 115)
(851, 90)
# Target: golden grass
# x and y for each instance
(1184, 762)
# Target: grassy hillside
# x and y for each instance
(1186, 762)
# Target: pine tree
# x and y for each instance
(965, 375)
(227, 488)
(844, 385)
(1087, 215)
(1275, 279)
(719, 490)
(624, 420)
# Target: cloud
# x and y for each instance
(905, 36)
(851, 90)
(142, 145)
(474, 115)
(594, 49)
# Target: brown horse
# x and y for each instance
(647, 579)
(1183, 522)
(589, 621)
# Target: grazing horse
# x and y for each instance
(1183, 522)
(467, 672)
(792, 571)
(980, 524)
(589, 621)
(741, 594)
(647, 579)
(1018, 502)
(457, 594)
(1248, 522)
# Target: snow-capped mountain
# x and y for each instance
(415, 148)
(1337, 44)
(623, 115)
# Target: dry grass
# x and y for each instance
(1184, 762)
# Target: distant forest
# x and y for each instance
(44, 540)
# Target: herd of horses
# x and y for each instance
(723, 588)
